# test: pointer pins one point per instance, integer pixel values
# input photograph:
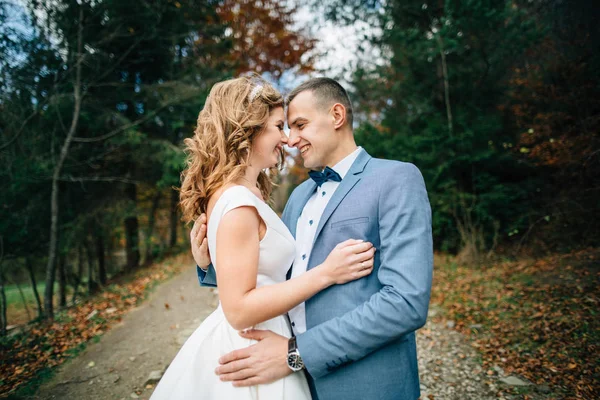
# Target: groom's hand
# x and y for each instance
(199, 242)
(263, 362)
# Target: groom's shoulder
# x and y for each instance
(382, 166)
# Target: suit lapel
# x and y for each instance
(350, 180)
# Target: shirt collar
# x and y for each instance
(344, 166)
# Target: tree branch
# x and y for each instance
(132, 124)
(20, 131)
(97, 179)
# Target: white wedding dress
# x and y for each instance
(191, 374)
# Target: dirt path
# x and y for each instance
(118, 366)
(146, 340)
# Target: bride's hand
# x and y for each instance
(348, 261)
(199, 243)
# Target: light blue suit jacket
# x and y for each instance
(360, 338)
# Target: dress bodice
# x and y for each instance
(277, 248)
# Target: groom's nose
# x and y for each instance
(293, 139)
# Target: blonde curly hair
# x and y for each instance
(235, 113)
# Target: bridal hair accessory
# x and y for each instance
(254, 93)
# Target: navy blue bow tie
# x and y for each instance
(327, 175)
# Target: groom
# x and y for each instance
(357, 340)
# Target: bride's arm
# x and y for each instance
(246, 305)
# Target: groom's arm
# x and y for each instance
(199, 245)
(406, 265)
(208, 277)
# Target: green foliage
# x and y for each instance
(438, 106)
(145, 71)
(496, 103)
(142, 90)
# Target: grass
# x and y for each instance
(13, 297)
(16, 312)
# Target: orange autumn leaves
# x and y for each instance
(532, 318)
(47, 345)
(262, 38)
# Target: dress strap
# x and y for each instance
(238, 196)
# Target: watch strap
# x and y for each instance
(292, 344)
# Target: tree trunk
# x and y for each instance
(151, 223)
(62, 282)
(100, 255)
(3, 317)
(50, 266)
(132, 238)
(77, 276)
(109, 255)
(446, 85)
(36, 294)
(174, 219)
(91, 283)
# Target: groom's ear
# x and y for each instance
(338, 113)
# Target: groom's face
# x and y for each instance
(311, 130)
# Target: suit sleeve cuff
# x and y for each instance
(310, 357)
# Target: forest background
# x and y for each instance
(496, 102)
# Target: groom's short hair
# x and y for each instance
(327, 92)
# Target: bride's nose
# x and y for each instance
(284, 138)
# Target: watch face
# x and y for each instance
(295, 362)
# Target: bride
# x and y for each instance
(239, 135)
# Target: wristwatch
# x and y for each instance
(294, 360)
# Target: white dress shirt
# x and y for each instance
(307, 227)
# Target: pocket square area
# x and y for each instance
(351, 221)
